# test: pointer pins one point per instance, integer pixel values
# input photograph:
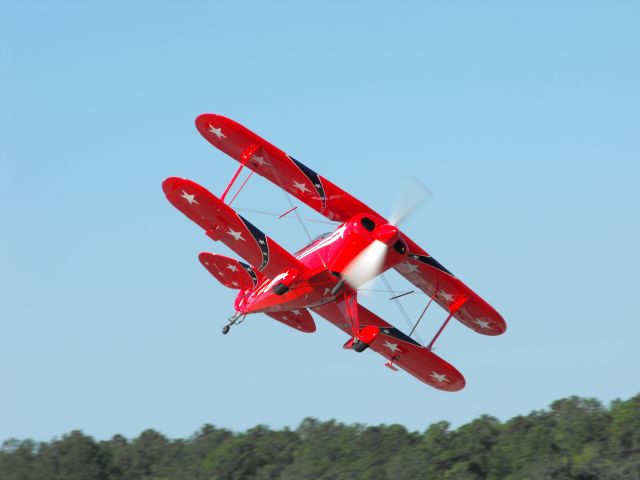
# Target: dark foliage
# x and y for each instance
(575, 438)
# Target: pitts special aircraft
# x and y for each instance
(324, 276)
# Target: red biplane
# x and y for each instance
(324, 276)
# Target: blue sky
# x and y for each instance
(521, 117)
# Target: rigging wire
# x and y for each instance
(291, 204)
(272, 214)
(400, 307)
(379, 290)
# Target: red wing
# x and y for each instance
(279, 168)
(405, 352)
(222, 223)
(299, 319)
(431, 277)
(230, 272)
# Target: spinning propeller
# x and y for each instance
(368, 263)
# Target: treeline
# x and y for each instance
(575, 438)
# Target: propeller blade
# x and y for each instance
(366, 265)
(414, 193)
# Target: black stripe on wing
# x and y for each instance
(249, 269)
(315, 180)
(389, 331)
(428, 260)
(395, 333)
(260, 239)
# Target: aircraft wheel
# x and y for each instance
(359, 346)
(225, 329)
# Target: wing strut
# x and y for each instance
(422, 314)
(455, 306)
(348, 306)
(241, 187)
(246, 155)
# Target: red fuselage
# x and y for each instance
(325, 259)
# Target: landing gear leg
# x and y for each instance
(235, 318)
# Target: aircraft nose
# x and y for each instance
(388, 234)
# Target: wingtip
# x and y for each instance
(202, 121)
(203, 256)
(455, 386)
(169, 184)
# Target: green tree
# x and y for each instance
(575, 439)
(74, 457)
(17, 459)
(624, 430)
(260, 453)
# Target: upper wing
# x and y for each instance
(435, 280)
(334, 203)
(400, 348)
(220, 222)
(281, 169)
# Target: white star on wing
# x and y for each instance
(447, 297)
(440, 377)
(189, 198)
(409, 266)
(217, 131)
(327, 291)
(236, 235)
(482, 323)
(300, 186)
(234, 283)
(232, 267)
(296, 312)
(259, 160)
(391, 346)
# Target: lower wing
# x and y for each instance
(299, 319)
(400, 349)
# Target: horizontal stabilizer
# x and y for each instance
(230, 272)
(299, 319)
